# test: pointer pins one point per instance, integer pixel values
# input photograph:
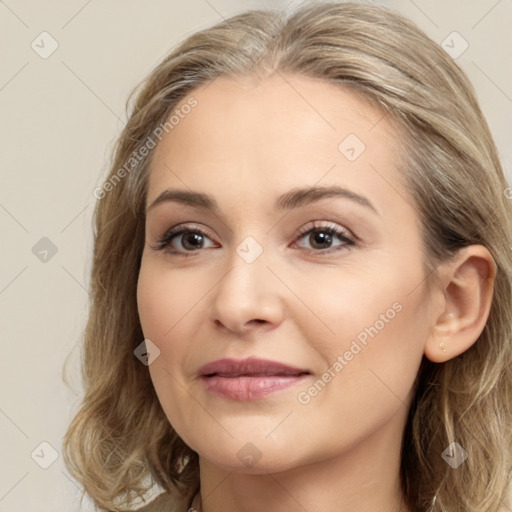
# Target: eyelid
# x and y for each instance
(339, 231)
(326, 225)
(164, 240)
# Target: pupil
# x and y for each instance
(194, 236)
(322, 238)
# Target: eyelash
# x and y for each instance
(331, 229)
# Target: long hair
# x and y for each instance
(120, 442)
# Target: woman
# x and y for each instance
(301, 286)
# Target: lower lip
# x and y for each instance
(249, 388)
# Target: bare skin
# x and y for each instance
(303, 301)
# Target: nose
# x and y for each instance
(248, 297)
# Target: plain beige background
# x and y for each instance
(60, 115)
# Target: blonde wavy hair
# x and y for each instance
(120, 442)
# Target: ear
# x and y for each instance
(467, 283)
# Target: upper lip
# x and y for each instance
(228, 367)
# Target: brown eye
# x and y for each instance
(321, 238)
(181, 240)
(191, 240)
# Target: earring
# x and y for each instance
(442, 345)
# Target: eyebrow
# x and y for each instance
(295, 198)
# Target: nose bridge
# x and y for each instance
(248, 271)
(248, 290)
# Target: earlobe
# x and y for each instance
(468, 285)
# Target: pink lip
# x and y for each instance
(248, 379)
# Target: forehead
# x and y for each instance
(261, 137)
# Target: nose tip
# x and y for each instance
(242, 319)
(247, 297)
(242, 328)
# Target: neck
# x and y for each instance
(365, 478)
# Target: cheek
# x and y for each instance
(165, 299)
(370, 368)
(163, 309)
(377, 325)
(356, 302)
(171, 309)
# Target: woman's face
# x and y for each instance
(311, 258)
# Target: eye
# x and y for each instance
(183, 239)
(321, 237)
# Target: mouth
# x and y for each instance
(251, 366)
(249, 379)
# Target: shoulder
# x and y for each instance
(164, 503)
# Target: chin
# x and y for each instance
(253, 455)
(266, 464)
